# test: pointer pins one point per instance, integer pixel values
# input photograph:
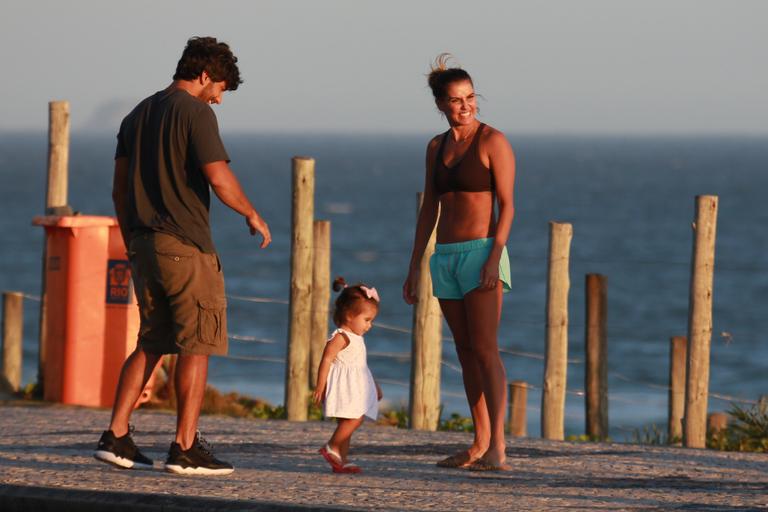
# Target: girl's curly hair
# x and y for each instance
(350, 300)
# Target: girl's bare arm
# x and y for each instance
(335, 345)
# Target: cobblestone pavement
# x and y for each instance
(47, 450)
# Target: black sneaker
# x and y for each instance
(121, 451)
(198, 460)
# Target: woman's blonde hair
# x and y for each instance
(441, 75)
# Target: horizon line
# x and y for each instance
(426, 134)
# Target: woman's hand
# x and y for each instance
(379, 392)
(410, 286)
(489, 274)
(318, 396)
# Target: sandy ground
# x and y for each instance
(46, 454)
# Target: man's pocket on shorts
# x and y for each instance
(169, 248)
(212, 321)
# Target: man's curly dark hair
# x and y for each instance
(209, 55)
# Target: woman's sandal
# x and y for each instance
(458, 460)
(482, 465)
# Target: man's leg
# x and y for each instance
(190, 379)
(136, 371)
(115, 445)
(190, 455)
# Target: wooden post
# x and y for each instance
(676, 403)
(596, 374)
(13, 324)
(518, 399)
(716, 422)
(700, 322)
(556, 350)
(55, 203)
(426, 348)
(321, 295)
(300, 326)
(58, 155)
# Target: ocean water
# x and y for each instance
(630, 200)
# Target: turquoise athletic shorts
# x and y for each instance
(456, 267)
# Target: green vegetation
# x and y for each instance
(584, 438)
(650, 434)
(457, 423)
(32, 391)
(227, 404)
(394, 418)
(747, 430)
(233, 404)
(241, 406)
(399, 418)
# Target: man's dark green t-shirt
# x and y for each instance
(167, 139)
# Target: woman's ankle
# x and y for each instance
(476, 451)
(496, 453)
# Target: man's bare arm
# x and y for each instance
(227, 188)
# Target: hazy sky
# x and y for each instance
(576, 66)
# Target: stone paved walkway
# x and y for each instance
(46, 457)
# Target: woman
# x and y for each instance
(468, 167)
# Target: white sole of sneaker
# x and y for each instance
(179, 470)
(120, 462)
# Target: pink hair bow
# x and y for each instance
(371, 293)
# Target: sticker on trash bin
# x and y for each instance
(54, 263)
(118, 282)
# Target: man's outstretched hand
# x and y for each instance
(257, 225)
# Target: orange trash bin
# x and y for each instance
(121, 323)
(92, 319)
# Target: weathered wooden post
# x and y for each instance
(556, 351)
(716, 422)
(426, 347)
(676, 402)
(58, 155)
(55, 204)
(700, 322)
(518, 399)
(299, 329)
(13, 325)
(321, 294)
(596, 373)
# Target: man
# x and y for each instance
(169, 153)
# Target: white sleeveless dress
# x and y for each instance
(350, 390)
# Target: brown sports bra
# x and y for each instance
(467, 175)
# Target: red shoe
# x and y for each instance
(333, 459)
(348, 468)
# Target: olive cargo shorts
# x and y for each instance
(180, 291)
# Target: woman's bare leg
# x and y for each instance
(454, 312)
(483, 310)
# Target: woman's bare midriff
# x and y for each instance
(465, 216)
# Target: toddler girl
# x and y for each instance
(344, 381)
